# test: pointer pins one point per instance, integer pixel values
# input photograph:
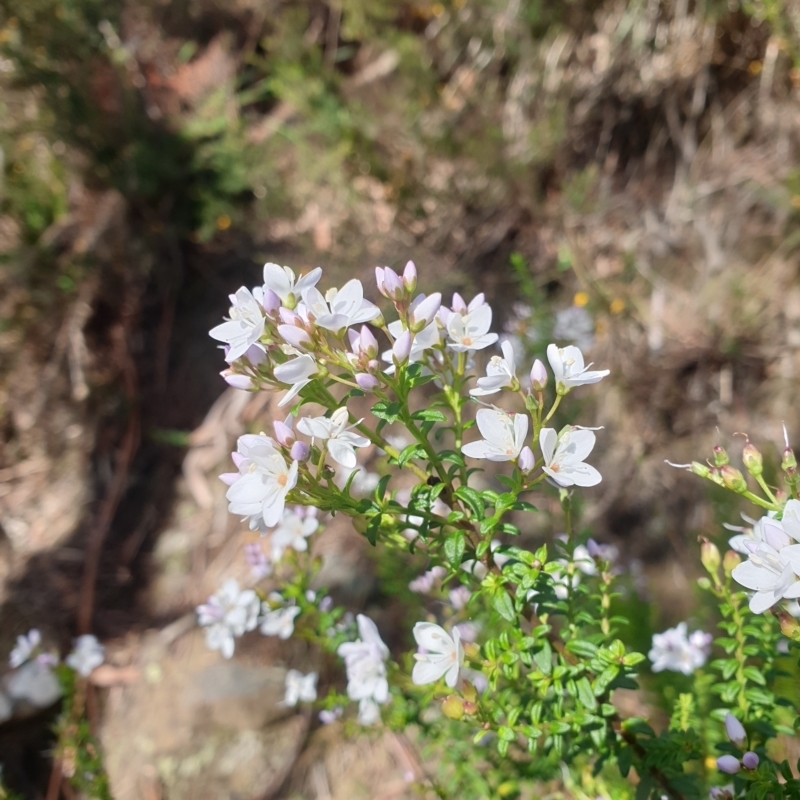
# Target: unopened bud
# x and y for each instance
(733, 479)
(735, 730)
(366, 381)
(729, 764)
(750, 760)
(730, 561)
(236, 380)
(270, 302)
(255, 354)
(283, 433)
(453, 707)
(790, 627)
(709, 555)
(538, 376)
(459, 306)
(410, 277)
(402, 347)
(470, 708)
(753, 460)
(423, 311)
(368, 344)
(294, 336)
(469, 692)
(788, 461)
(389, 283)
(300, 451)
(526, 460)
(792, 477)
(700, 469)
(720, 456)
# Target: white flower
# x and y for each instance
(503, 435)
(292, 531)
(329, 716)
(674, 651)
(770, 573)
(334, 430)
(87, 654)
(443, 654)
(25, 647)
(564, 454)
(244, 326)
(340, 308)
(369, 711)
(300, 687)
(748, 537)
(569, 370)
(265, 480)
(282, 281)
(227, 615)
(365, 663)
(501, 373)
(297, 373)
(426, 339)
(279, 622)
(424, 583)
(470, 331)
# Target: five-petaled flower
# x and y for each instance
(340, 308)
(244, 325)
(340, 441)
(564, 456)
(501, 373)
(227, 615)
(279, 622)
(283, 282)
(443, 654)
(569, 370)
(503, 435)
(87, 654)
(300, 687)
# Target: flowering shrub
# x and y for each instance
(519, 653)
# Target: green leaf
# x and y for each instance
(585, 694)
(472, 499)
(544, 658)
(429, 415)
(454, 548)
(412, 451)
(380, 489)
(755, 675)
(581, 648)
(504, 606)
(389, 412)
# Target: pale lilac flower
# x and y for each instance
(265, 480)
(749, 536)
(289, 289)
(468, 630)
(750, 760)
(503, 435)
(292, 531)
(564, 456)
(424, 583)
(328, 716)
(339, 439)
(260, 566)
(569, 370)
(365, 663)
(470, 331)
(237, 381)
(25, 648)
(459, 597)
(501, 373)
(244, 326)
(279, 622)
(770, 572)
(300, 688)
(300, 452)
(538, 376)
(297, 373)
(390, 284)
(87, 655)
(443, 654)
(674, 650)
(339, 309)
(227, 615)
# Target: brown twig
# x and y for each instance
(54, 784)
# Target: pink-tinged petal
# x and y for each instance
(774, 534)
(548, 439)
(230, 478)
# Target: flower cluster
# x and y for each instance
(365, 662)
(677, 651)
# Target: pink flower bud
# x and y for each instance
(271, 303)
(410, 277)
(288, 317)
(294, 336)
(735, 730)
(379, 280)
(402, 347)
(229, 478)
(423, 311)
(750, 760)
(283, 433)
(389, 283)
(459, 306)
(526, 460)
(300, 451)
(368, 343)
(366, 381)
(236, 380)
(255, 354)
(729, 764)
(538, 376)
(238, 459)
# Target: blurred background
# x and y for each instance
(621, 176)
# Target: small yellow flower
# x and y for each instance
(223, 222)
(711, 762)
(796, 201)
(437, 9)
(755, 67)
(617, 305)
(581, 299)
